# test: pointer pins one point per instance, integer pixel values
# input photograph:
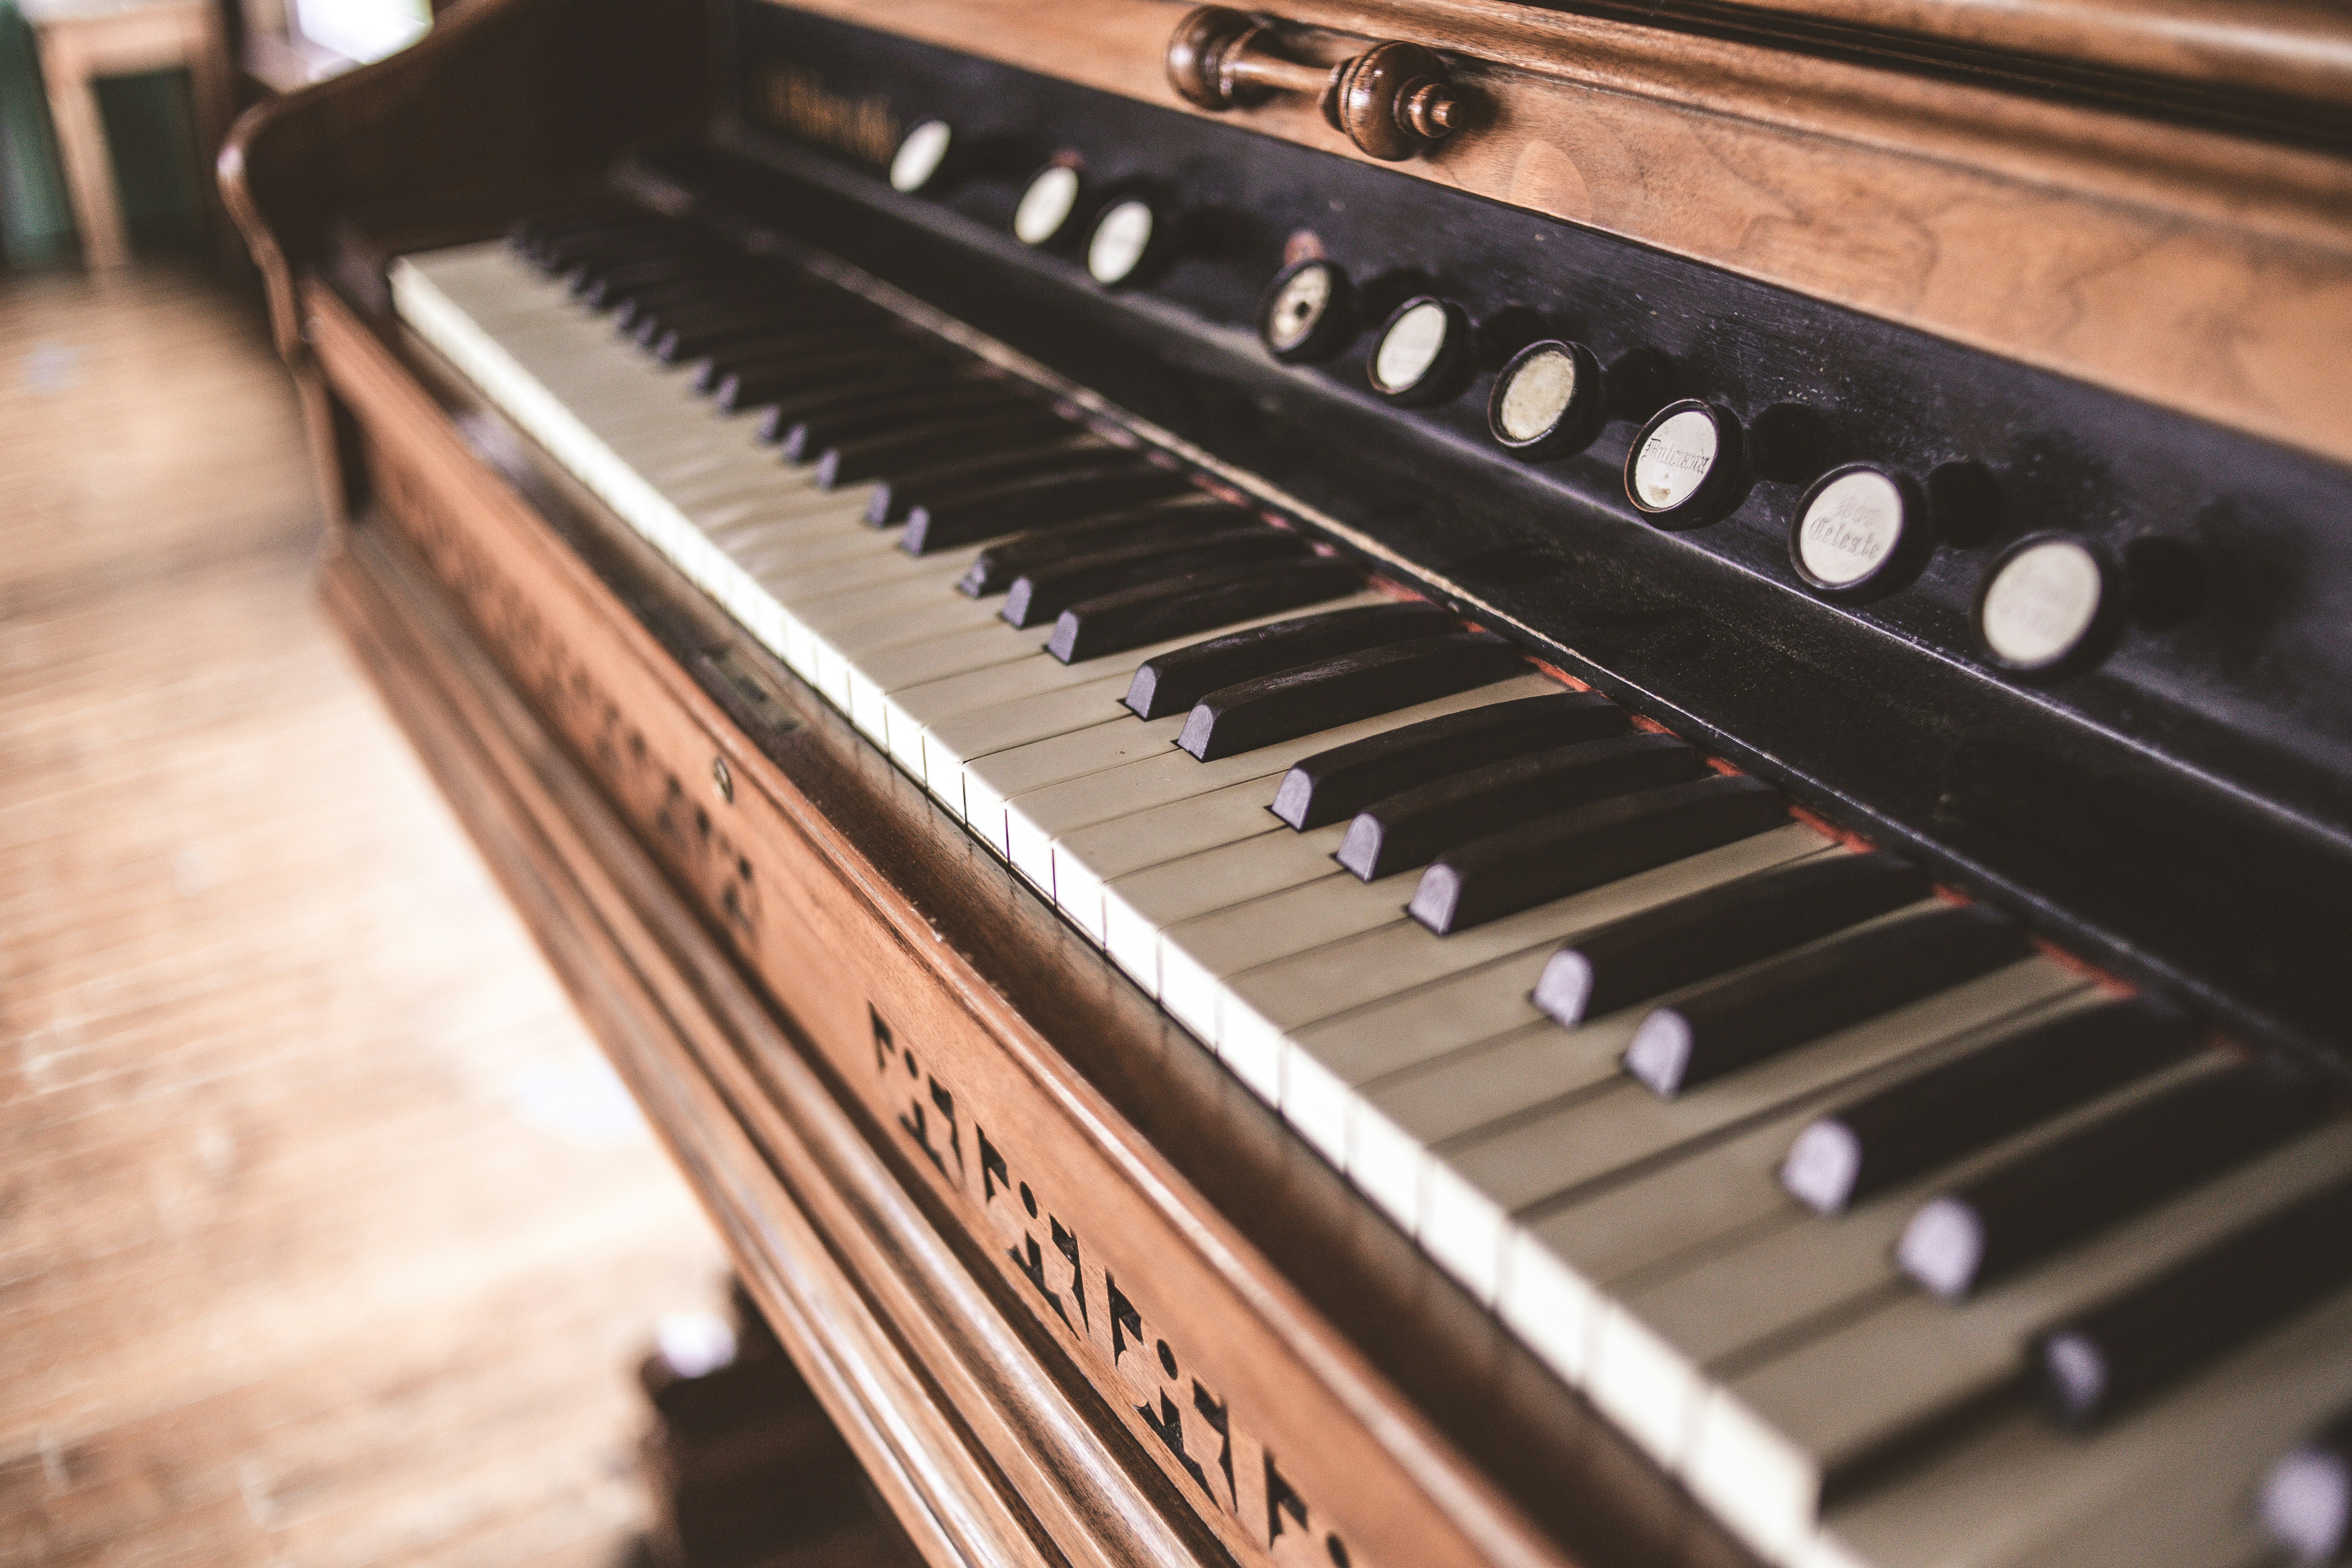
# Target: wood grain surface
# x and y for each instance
(324, 1234)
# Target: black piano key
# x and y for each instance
(2304, 1503)
(1553, 856)
(668, 281)
(797, 348)
(1197, 602)
(1785, 1002)
(2032, 1205)
(600, 293)
(1949, 1113)
(1683, 943)
(2105, 1360)
(1333, 786)
(681, 283)
(1019, 429)
(717, 315)
(635, 266)
(726, 300)
(534, 236)
(896, 496)
(812, 382)
(1415, 827)
(594, 285)
(1177, 519)
(760, 328)
(1343, 688)
(805, 439)
(1049, 501)
(633, 310)
(1044, 591)
(615, 245)
(1174, 682)
(787, 406)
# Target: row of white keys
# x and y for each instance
(879, 632)
(795, 563)
(2171, 1483)
(622, 424)
(861, 606)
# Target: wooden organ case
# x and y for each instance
(1094, 1260)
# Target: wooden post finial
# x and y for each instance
(1391, 101)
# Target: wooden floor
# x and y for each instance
(325, 1238)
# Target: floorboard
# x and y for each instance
(325, 1236)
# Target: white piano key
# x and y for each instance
(1263, 1005)
(796, 519)
(922, 597)
(844, 626)
(1197, 956)
(1584, 1251)
(821, 566)
(764, 518)
(1084, 858)
(1482, 1176)
(991, 781)
(1767, 1439)
(1137, 907)
(942, 694)
(1026, 719)
(1778, 1279)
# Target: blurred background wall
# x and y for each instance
(148, 128)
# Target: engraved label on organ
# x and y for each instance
(1852, 529)
(1539, 393)
(1046, 205)
(1119, 242)
(919, 156)
(2043, 601)
(1297, 306)
(1410, 347)
(1675, 461)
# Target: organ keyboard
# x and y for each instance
(1814, 1104)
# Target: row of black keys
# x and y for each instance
(1118, 551)
(963, 458)
(1798, 953)
(1804, 950)
(1119, 555)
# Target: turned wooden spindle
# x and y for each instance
(1391, 101)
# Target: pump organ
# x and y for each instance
(1464, 783)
